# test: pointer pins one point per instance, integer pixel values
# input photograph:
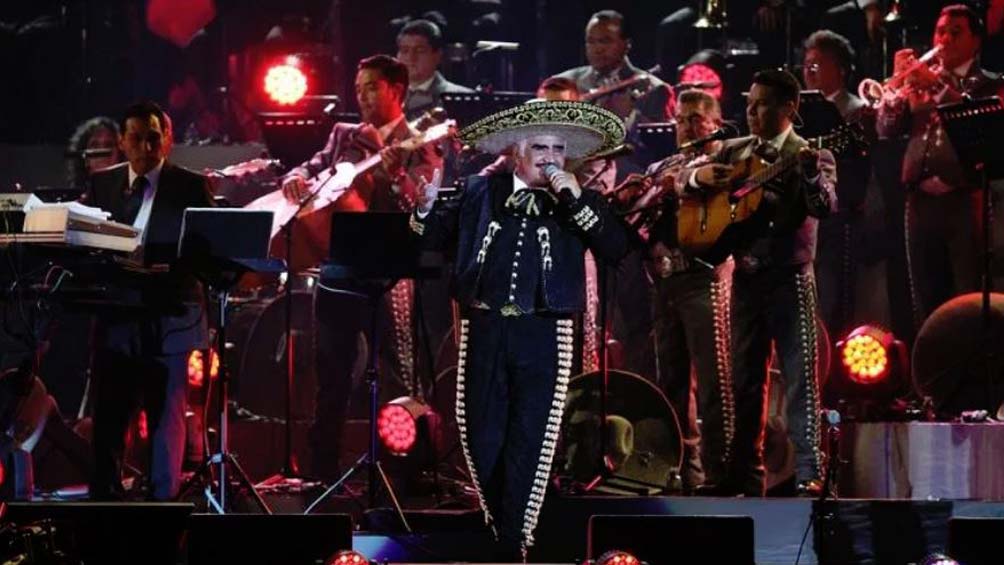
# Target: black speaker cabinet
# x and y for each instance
(666, 540)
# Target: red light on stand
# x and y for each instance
(865, 354)
(396, 428)
(196, 369)
(398, 424)
(285, 83)
(347, 557)
(617, 557)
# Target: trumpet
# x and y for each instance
(876, 93)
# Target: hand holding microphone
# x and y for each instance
(562, 182)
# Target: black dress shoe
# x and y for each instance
(812, 488)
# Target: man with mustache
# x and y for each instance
(520, 238)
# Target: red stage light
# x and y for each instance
(397, 429)
(285, 83)
(398, 421)
(196, 370)
(347, 557)
(617, 557)
(702, 73)
(865, 354)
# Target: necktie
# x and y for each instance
(134, 199)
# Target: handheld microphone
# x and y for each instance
(550, 170)
(724, 132)
(832, 417)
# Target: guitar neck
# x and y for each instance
(367, 163)
(774, 170)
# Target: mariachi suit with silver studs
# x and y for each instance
(774, 302)
(519, 280)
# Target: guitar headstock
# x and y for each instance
(431, 134)
(844, 139)
(254, 170)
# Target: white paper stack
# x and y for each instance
(76, 224)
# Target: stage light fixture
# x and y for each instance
(347, 557)
(285, 82)
(196, 370)
(618, 557)
(938, 559)
(705, 70)
(398, 424)
(864, 354)
(872, 372)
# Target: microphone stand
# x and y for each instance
(288, 479)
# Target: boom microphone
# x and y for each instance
(724, 132)
(89, 153)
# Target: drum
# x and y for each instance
(257, 360)
(950, 355)
(644, 447)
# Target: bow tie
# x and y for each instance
(531, 202)
(766, 151)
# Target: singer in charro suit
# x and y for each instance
(142, 346)
(518, 279)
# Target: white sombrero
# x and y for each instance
(586, 129)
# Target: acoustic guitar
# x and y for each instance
(331, 183)
(707, 223)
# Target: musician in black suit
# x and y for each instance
(420, 48)
(142, 346)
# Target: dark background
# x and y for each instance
(57, 75)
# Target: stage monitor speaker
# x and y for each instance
(665, 540)
(976, 541)
(99, 533)
(879, 531)
(279, 539)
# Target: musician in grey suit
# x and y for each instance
(943, 197)
(828, 65)
(381, 83)
(420, 48)
(773, 287)
(608, 41)
(142, 346)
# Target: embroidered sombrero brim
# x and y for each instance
(586, 129)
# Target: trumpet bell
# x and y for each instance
(872, 92)
(713, 16)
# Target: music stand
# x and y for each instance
(976, 129)
(819, 116)
(219, 246)
(373, 265)
(469, 107)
